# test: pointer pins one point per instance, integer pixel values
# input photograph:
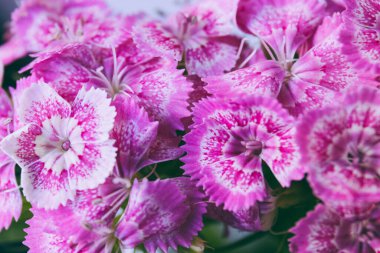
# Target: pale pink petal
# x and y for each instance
(157, 40)
(263, 78)
(364, 12)
(12, 50)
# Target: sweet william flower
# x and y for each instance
(340, 145)
(161, 214)
(229, 141)
(60, 147)
(325, 231)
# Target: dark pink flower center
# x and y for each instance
(66, 145)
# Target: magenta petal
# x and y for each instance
(134, 134)
(161, 214)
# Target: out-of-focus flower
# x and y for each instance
(162, 214)
(61, 148)
(361, 36)
(325, 231)
(39, 25)
(230, 140)
(340, 145)
(202, 34)
(10, 197)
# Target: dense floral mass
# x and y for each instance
(130, 132)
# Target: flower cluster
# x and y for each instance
(236, 90)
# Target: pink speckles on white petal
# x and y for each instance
(41, 102)
(61, 148)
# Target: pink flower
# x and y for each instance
(283, 24)
(203, 33)
(162, 214)
(340, 144)
(39, 25)
(310, 82)
(137, 139)
(60, 147)
(325, 231)
(228, 143)
(10, 197)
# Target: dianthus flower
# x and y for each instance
(60, 147)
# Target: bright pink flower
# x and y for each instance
(202, 33)
(283, 24)
(230, 140)
(39, 25)
(137, 138)
(325, 231)
(10, 197)
(340, 145)
(162, 214)
(61, 148)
